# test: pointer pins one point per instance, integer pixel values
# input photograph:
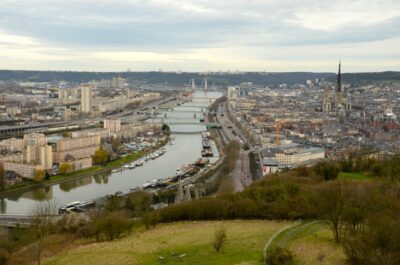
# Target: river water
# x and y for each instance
(185, 150)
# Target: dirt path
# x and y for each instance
(283, 237)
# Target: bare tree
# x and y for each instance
(2, 176)
(333, 203)
(219, 239)
(43, 217)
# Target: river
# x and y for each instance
(186, 150)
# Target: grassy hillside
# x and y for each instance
(316, 247)
(181, 243)
(310, 242)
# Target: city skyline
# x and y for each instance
(272, 36)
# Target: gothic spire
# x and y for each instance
(339, 80)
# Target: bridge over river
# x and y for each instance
(13, 220)
(207, 124)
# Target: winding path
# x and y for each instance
(288, 233)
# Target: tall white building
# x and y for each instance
(231, 92)
(86, 99)
(113, 125)
(193, 83)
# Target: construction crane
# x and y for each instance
(278, 126)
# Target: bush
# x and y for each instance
(219, 239)
(280, 256)
(4, 256)
(110, 225)
(327, 170)
(151, 219)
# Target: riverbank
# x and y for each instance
(98, 169)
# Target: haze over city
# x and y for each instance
(200, 35)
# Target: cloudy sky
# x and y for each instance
(200, 35)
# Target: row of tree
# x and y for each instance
(363, 215)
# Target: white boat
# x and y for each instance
(68, 207)
(132, 166)
(139, 163)
(125, 167)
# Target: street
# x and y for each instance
(241, 175)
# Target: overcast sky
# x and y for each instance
(200, 35)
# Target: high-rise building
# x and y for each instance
(35, 139)
(193, 84)
(112, 125)
(86, 99)
(326, 104)
(46, 156)
(232, 92)
(205, 84)
(39, 155)
(118, 82)
(76, 148)
(128, 94)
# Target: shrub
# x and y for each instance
(280, 256)
(219, 239)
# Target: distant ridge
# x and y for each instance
(368, 78)
(180, 79)
(259, 78)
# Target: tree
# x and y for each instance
(219, 239)
(165, 128)
(328, 170)
(113, 203)
(66, 134)
(151, 219)
(39, 175)
(139, 202)
(42, 225)
(110, 224)
(332, 202)
(116, 144)
(2, 176)
(280, 256)
(100, 156)
(65, 168)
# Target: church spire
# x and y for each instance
(339, 79)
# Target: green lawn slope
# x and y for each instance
(190, 243)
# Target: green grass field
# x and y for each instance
(191, 243)
(353, 175)
(178, 243)
(311, 243)
(316, 247)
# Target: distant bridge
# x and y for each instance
(186, 111)
(184, 106)
(209, 98)
(209, 125)
(13, 220)
(10, 131)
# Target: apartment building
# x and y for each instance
(86, 99)
(76, 148)
(289, 155)
(12, 145)
(113, 125)
(24, 170)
